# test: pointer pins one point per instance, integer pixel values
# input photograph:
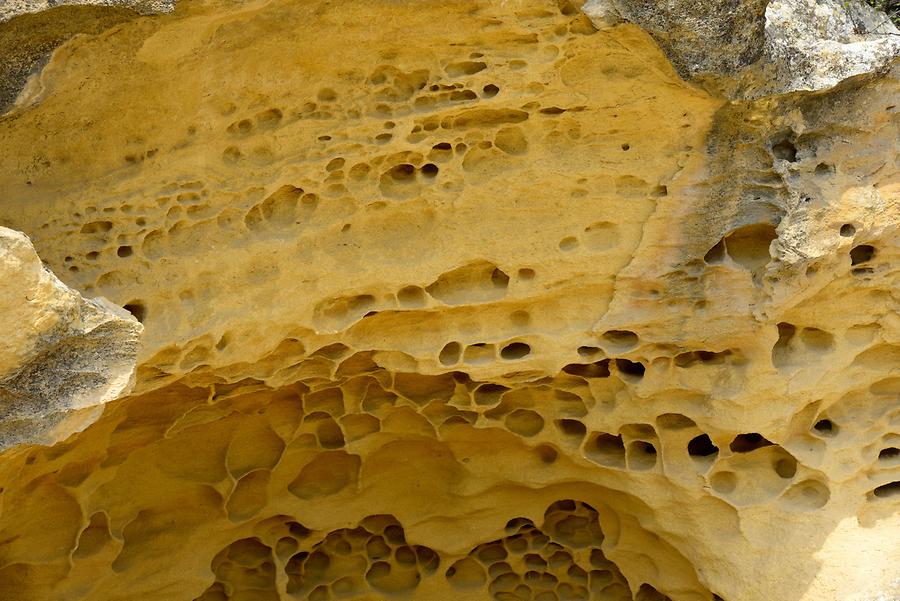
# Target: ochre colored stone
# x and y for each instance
(459, 300)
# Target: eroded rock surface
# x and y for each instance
(481, 302)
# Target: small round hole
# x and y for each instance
(847, 230)
(825, 427)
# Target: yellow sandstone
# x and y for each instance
(459, 300)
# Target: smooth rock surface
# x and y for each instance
(467, 300)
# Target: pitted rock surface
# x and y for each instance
(464, 300)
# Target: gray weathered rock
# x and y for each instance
(755, 48)
(700, 37)
(12, 8)
(60, 353)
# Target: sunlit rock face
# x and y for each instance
(459, 300)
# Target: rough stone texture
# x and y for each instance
(700, 38)
(13, 8)
(27, 41)
(812, 45)
(754, 48)
(60, 354)
(477, 303)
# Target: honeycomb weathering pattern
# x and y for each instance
(459, 300)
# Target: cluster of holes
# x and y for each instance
(634, 448)
(480, 352)
(373, 557)
(797, 345)
(243, 569)
(562, 560)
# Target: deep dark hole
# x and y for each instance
(630, 368)
(785, 150)
(598, 369)
(490, 90)
(861, 254)
(889, 453)
(824, 425)
(890, 489)
(443, 146)
(847, 230)
(516, 350)
(124, 251)
(786, 332)
(137, 309)
(744, 443)
(429, 170)
(702, 446)
(609, 443)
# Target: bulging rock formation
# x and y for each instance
(61, 357)
(467, 300)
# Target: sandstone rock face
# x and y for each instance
(468, 300)
(61, 357)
